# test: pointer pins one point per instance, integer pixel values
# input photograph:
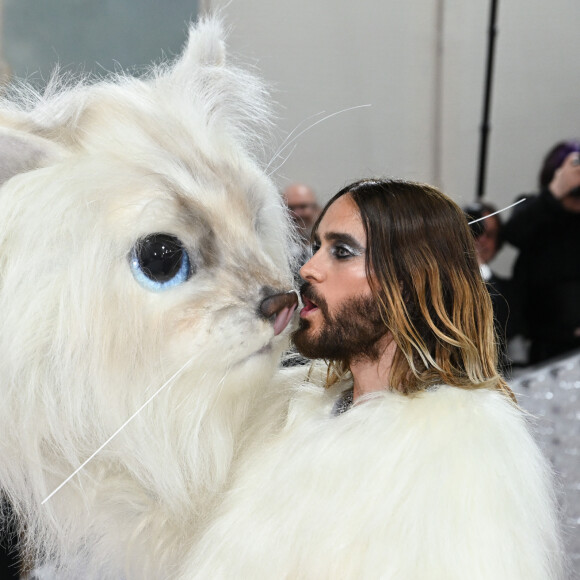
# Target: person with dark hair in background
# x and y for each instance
(546, 230)
(488, 236)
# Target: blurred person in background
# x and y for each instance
(546, 230)
(304, 210)
(488, 236)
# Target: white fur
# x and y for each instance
(88, 170)
(445, 485)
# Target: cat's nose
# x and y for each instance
(279, 308)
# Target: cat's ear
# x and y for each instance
(21, 152)
(205, 48)
(231, 97)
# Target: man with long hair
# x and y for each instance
(413, 304)
(414, 462)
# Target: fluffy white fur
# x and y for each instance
(445, 485)
(86, 171)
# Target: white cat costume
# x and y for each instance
(444, 485)
(97, 181)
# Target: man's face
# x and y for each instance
(340, 319)
(302, 205)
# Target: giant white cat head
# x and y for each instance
(138, 234)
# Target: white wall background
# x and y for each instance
(420, 64)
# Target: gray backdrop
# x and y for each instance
(92, 35)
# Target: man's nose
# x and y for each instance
(311, 270)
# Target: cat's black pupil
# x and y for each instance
(160, 256)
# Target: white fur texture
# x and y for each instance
(445, 485)
(87, 171)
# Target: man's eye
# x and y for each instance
(342, 252)
(314, 248)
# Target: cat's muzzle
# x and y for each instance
(279, 308)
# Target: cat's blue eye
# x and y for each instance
(160, 262)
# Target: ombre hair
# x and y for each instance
(423, 272)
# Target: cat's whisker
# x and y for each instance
(278, 167)
(297, 136)
(220, 385)
(277, 153)
(496, 212)
(85, 463)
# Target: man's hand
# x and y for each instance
(567, 176)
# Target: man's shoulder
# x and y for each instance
(439, 413)
(456, 404)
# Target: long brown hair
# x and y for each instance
(422, 269)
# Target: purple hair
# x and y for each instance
(554, 158)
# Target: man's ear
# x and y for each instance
(21, 152)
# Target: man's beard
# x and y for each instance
(353, 333)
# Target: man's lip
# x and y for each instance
(309, 307)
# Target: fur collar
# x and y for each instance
(447, 484)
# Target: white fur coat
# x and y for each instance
(445, 485)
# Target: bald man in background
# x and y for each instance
(304, 210)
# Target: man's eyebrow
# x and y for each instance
(344, 238)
